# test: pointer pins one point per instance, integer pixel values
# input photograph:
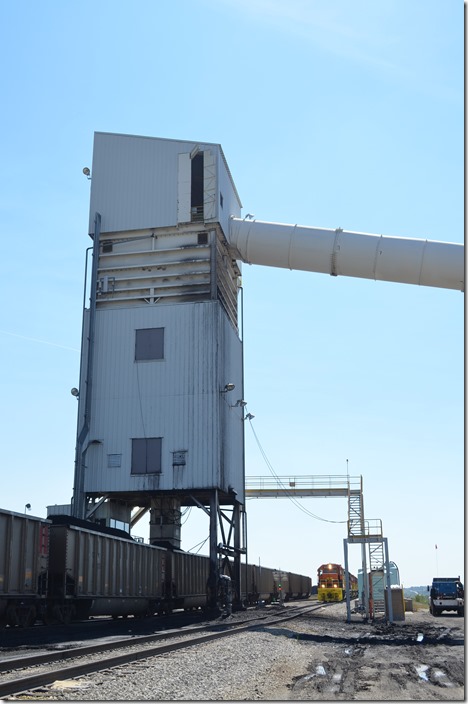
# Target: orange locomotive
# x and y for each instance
(331, 580)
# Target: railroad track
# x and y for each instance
(17, 680)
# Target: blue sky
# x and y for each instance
(331, 114)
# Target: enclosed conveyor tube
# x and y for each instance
(344, 253)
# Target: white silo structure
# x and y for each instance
(161, 407)
(160, 417)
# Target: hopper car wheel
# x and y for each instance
(59, 613)
(23, 615)
(12, 615)
(27, 616)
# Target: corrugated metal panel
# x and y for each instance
(192, 575)
(103, 565)
(210, 185)
(135, 182)
(141, 266)
(23, 553)
(177, 398)
(231, 205)
(184, 188)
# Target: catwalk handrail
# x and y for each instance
(320, 481)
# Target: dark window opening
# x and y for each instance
(146, 455)
(149, 344)
(107, 247)
(196, 194)
(221, 199)
(202, 238)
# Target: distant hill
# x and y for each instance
(412, 591)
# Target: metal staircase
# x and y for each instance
(367, 533)
(355, 511)
(370, 535)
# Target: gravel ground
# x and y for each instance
(317, 657)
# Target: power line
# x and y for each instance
(288, 495)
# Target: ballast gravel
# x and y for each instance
(317, 657)
(246, 667)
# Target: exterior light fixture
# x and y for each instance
(87, 173)
(240, 403)
(249, 416)
(27, 507)
(228, 387)
(74, 392)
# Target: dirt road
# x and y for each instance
(420, 658)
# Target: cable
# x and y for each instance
(199, 544)
(289, 496)
(188, 511)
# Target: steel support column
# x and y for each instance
(213, 574)
(85, 397)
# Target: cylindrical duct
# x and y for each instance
(343, 253)
(165, 521)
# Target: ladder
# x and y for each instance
(377, 575)
(368, 533)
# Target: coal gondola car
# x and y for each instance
(331, 581)
(23, 568)
(95, 573)
(265, 584)
(257, 584)
(189, 579)
(297, 586)
(353, 586)
(64, 568)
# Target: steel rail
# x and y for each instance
(20, 685)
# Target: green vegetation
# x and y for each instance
(421, 599)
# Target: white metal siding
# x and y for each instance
(231, 203)
(184, 188)
(210, 185)
(177, 398)
(135, 182)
